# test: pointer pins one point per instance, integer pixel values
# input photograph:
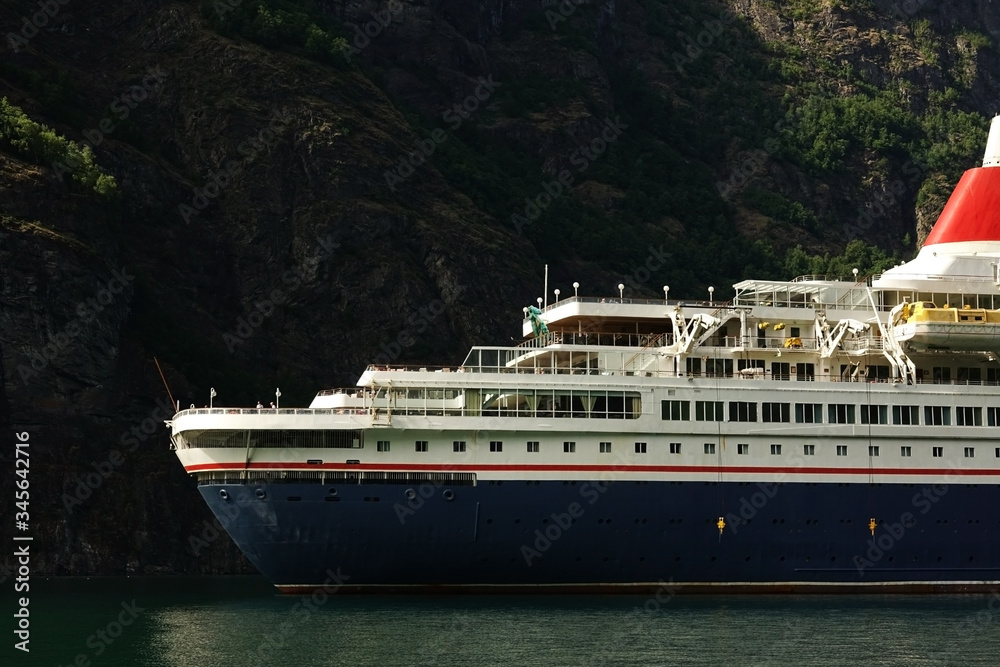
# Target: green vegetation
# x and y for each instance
(867, 259)
(41, 145)
(288, 24)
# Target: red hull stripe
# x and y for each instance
(973, 210)
(792, 470)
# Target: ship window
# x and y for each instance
(937, 452)
(794, 332)
(970, 452)
(775, 412)
(742, 448)
(993, 416)
(968, 375)
(676, 410)
(708, 411)
(458, 445)
(776, 450)
(906, 415)
(840, 413)
(715, 367)
(742, 411)
(841, 450)
(809, 450)
(874, 414)
(709, 447)
(808, 413)
(997, 452)
(605, 448)
(942, 374)
(937, 415)
(675, 448)
(780, 370)
(569, 447)
(382, 446)
(532, 446)
(905, 450)
(805, 372)
(420, 446)
(993, 375)
(640, 448)
(496, 445)
(872, 450)
(969, 416)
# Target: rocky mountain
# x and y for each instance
(274, 193)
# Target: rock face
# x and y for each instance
(279, 224)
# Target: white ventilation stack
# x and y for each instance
(992, 156)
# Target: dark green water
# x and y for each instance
(240, 621)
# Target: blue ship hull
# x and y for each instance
(591, 536)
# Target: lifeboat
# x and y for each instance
(925, 326)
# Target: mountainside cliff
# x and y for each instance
(274, 193)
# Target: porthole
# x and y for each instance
(410, 493)
(448, 494)
(260, 493)
(224, 494)
(332, 491)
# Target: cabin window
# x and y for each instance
(532, 446)
(906, 415)
(809, 450)
(605, 448)
(874, 414)
(872, 450)
(382, 446)
(742, 411)
(780, 370)
(808, 413)
(840, 413)
(776, 412)
(496, 445)
(805, 372)
(569, 447)
(676, 410)
(841, 450)
(970, 452)
(942, 374)
(709, 447)
(708, 411)
(640, 448)
(968, 416)
(937, 415)
(743, 448)
(992, 416)
(937, 452)
(905, 451)
(458, 445)
(420, 446)
(775, 450)
(675, 448)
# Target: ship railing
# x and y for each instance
(617, 300)
(259, 411)
(601, 338)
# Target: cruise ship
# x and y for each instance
(812, 435)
